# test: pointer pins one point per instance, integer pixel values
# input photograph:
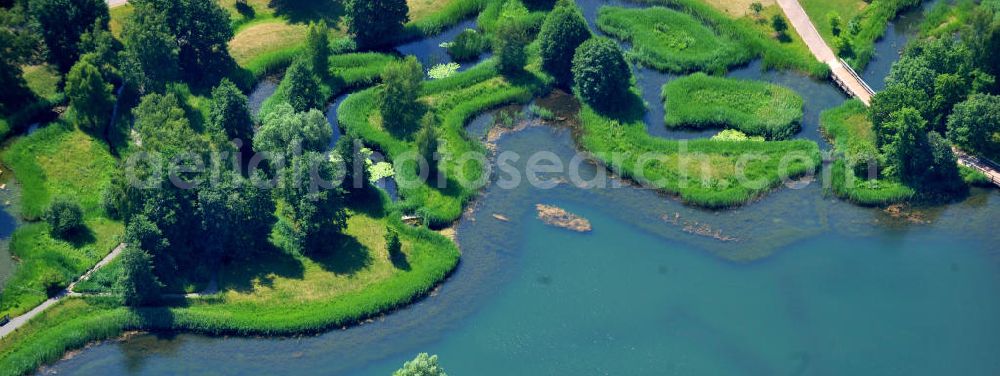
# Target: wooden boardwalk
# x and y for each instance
(852, 83)
(987, 167)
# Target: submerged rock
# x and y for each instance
(559, 217)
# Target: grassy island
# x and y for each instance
(454, 100)
(755, 108)
(672, 41)
(702, 172)
(749, 37)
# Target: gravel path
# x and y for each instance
(19, 321)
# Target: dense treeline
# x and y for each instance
(944, 88)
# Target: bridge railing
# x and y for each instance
(858, 77)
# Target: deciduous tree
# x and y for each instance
(318, 46)
(422, 365)
(303, 87)
(427, 140)
(601, 75)
(511, 37)
(150, 57)
(376, 22)
(229, 113)
(62, 22)
(562, 32)
(398, 100)
(974, 125)
(90, 97)
(137, 284)
(65, 217)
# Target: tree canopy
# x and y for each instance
(398, 101)
(229, 113)
(283, 130)
(18, 43)
(511, 37)
(202, 30)
(375, 22)
(600, 73)
(422, 365)
(62, 22)
(318, 47)
(137, 284)
(65, 217)
(151, 51)
(90, 97)
(562, 32)
(975, 125)
(303, 87)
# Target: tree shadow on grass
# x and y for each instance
(399, 260)
(245, 276)
(369, 201)
(80, 237)
(628, 109)
(305, 11)
(344, 254)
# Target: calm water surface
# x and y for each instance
(809, 286)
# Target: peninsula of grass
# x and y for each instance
(57, 160)
(347, 71)
(851, 131)
(755, 38)
(755, 108)
(671, 41)
(872, 18)
(455, 99)
(278, 294)
(708, 173)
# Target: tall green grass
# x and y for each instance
(347, 71)
(75, 322)
(867, 192)
(707, 173)
(455, 99)
(873, 22)
(752, 107)
(671, 41)
(774, 54)
(453, 13)
(57, 160)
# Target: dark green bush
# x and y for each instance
(601, 76)
(468, 45)
(65, 217)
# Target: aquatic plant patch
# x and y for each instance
(455, 100)
(702, 172)
(754, 108)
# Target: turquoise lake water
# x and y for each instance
(811, 285)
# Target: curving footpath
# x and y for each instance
(848, 80)
(19, 321)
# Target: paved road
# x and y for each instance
(807, 30)
(19, 321)
(114, 3)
